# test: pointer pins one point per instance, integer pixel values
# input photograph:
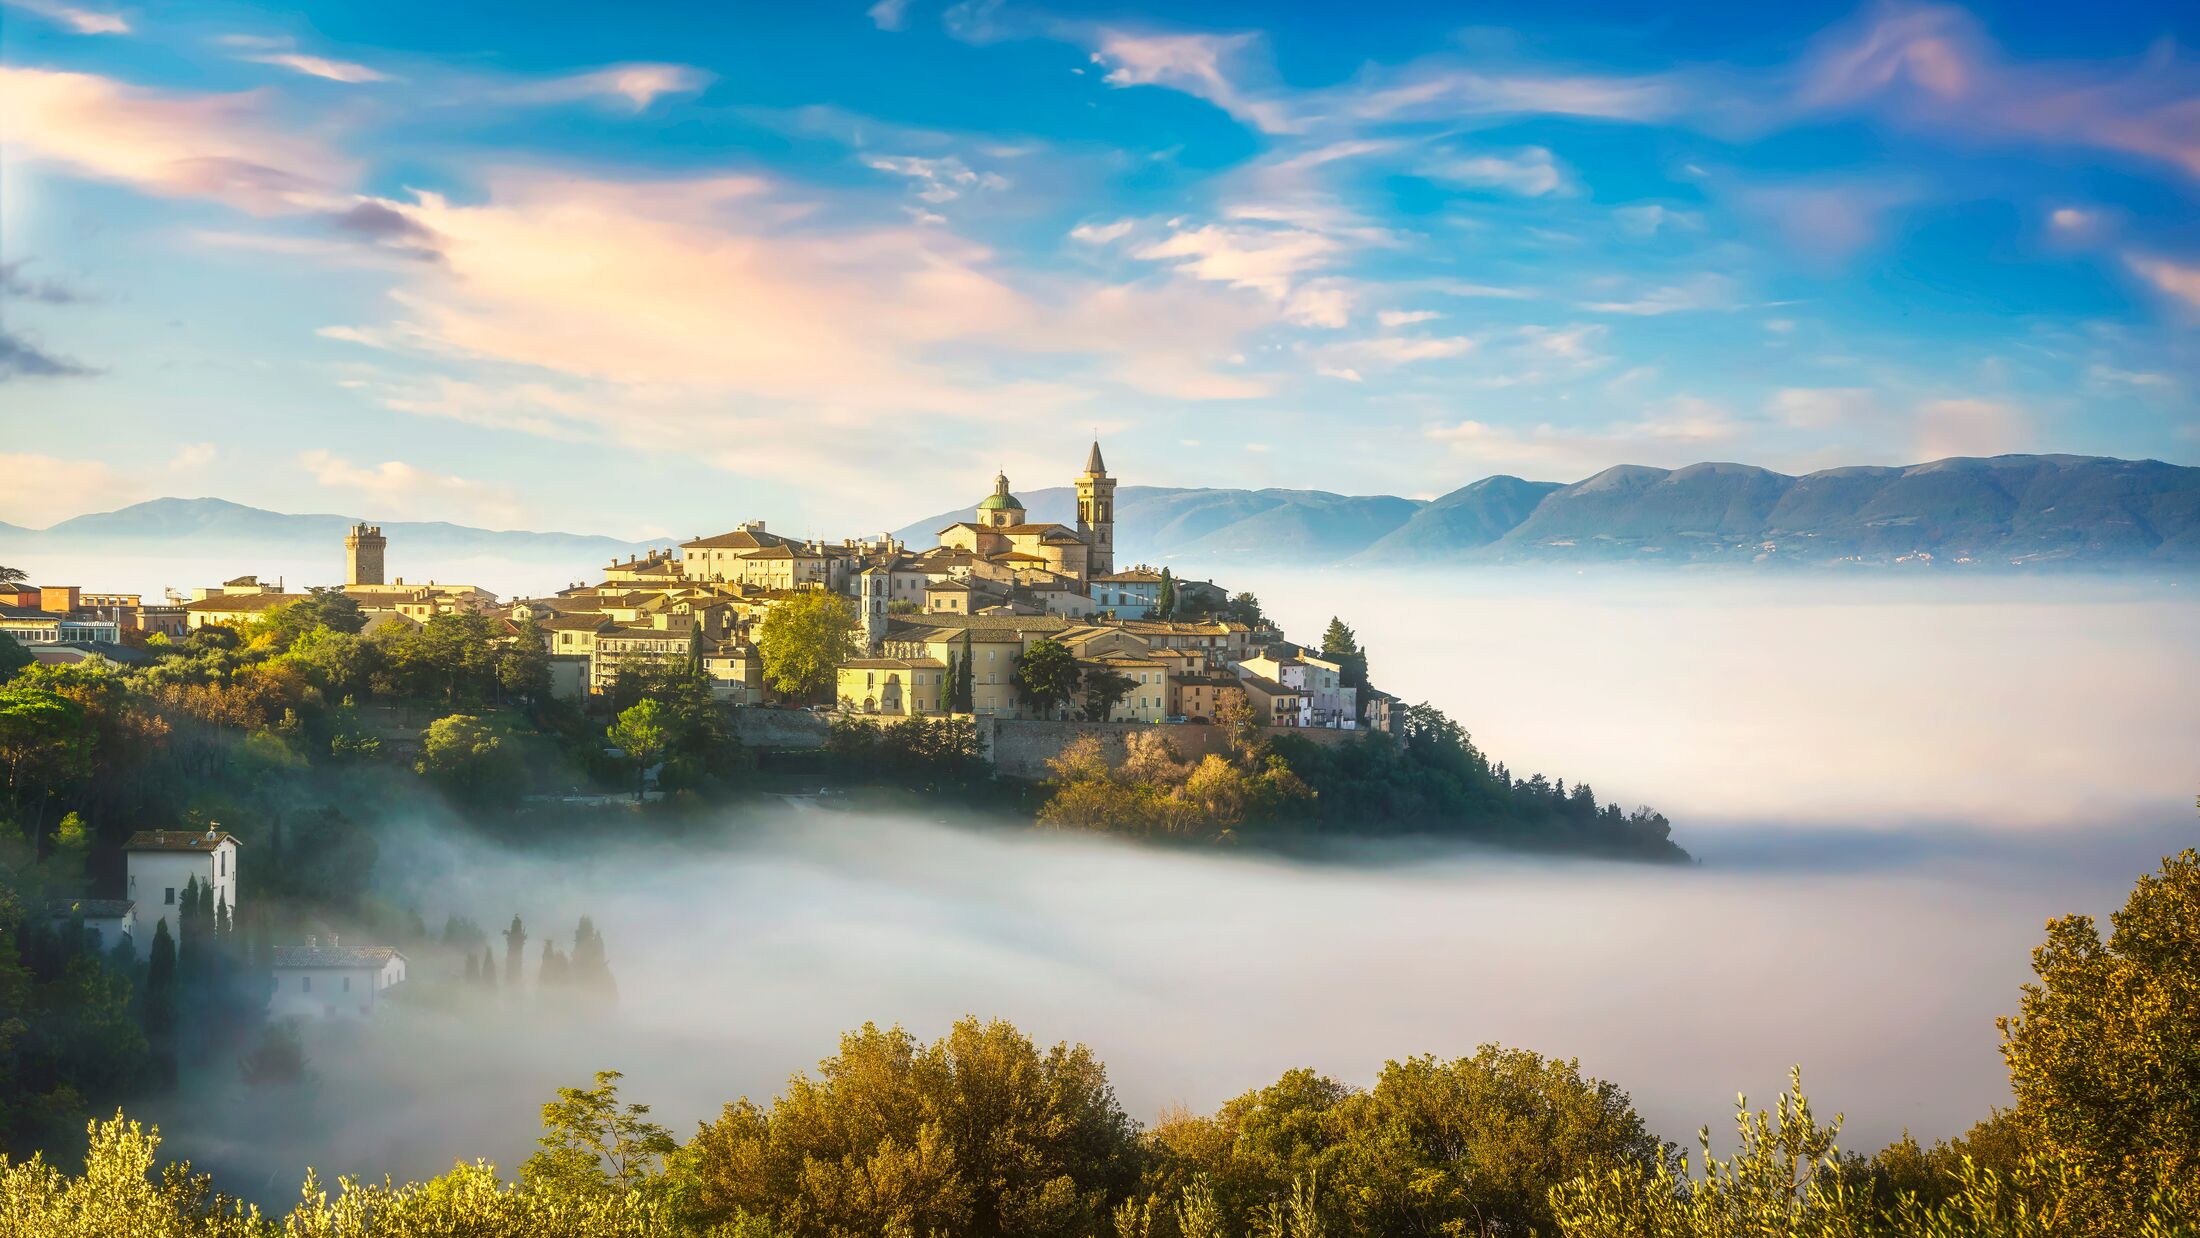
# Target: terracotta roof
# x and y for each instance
(335, 956)
(201, 841)
(1137, 575)
(223, 603)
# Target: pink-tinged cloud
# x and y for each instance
(639, 84)
(700, 300)
(220, 146)
(321, 67)
(1935, 67)
(2175, 279)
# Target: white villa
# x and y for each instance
(331, 981)
(162, 862)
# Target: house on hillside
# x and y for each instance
(332, 981)
(161, 863)
(108, 920)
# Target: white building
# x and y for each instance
(113, 919)
(331, 981)
(163, 862)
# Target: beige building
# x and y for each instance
(902, 687)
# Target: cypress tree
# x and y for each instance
(190, 947)
(489, 968)
(473, 968)
(1164, 606)
(159, 1015)
(515, 940)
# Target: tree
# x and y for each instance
(590, 1143)
(966, 691)
(160, 991)
(45, 742)
(1046, 675)
(515, 941)
(1342, 646)
(2104, 1052)
(641, 733)
(1245, 608)
(980, 1134)
(1104, 689)
(1164, 606)
(12, 575)
(13, 657)
(590, 969)
(1783, 1179)
(473, 761)
(803, 641)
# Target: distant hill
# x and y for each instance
(195, 542)
(2005, 511)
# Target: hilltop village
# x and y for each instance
(938, 631)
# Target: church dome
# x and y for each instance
(1000, 500)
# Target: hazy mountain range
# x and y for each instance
(2025, 511)
(2002, 511)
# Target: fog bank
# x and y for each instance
(1892, 786)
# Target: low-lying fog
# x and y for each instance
(1891, 785)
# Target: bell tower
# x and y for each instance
(1096, 513)
(363, 548)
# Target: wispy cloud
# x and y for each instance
(228, 147)
(1933, 66)
(22, 358)
(396, 486)
(937, 180)
(888, 14)
(1704, 292)
(1531, 172)
(640, 84)
(2174, 279)
(76, 17)
(1206, 66)
(320, 66)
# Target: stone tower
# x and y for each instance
(1096, 513)
(874, 584)
(364, 547)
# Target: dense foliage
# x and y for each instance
(985, 1133)
(1428, 780)
(803, 641)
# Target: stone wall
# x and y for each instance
(1021, 748)
(779, 728)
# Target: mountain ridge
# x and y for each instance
(2020, 511)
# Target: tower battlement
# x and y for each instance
(364, 550)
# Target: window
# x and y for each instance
(170, 897)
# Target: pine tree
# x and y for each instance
(1340, 644)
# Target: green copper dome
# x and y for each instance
(1000, 500)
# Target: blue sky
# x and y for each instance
(651, 269)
